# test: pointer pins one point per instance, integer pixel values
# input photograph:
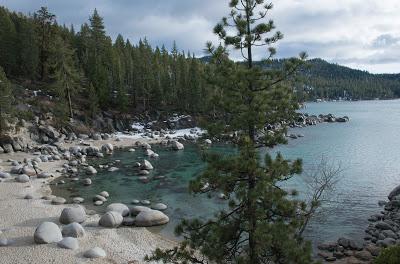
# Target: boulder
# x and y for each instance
(135, 210)
(159, 206)
(146, 145)
(107, 148)
(119, 208)
(98, 203)
(4, 175)
(151, 218)
(28, 171)
(394, 192)
(73, 230)
(22, 178)
(16, 169)
(8, 148)
(363, 255)
(146, 165)
(177, 145)
(111, 219)
(78, 200)
(386, 242)
(47, 232)
(144, 172)
(43, 175)
(99, 198)
(58, 201)
(90, 170)
(69, 243)
(112, 169)
(87, 182)
(95, 252)
(73, 214)
(208, 141)
(145, 202)
(104, 194)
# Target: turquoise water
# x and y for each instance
(367, 148)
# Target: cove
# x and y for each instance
(367, 148)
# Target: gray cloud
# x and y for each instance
(358, 33)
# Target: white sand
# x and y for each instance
(20, 217)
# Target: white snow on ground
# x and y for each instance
(195, 132)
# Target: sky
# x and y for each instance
(361, 34)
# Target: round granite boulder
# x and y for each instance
(118, 207)
(151, 218)
(47, 232)
(73, 230)
(111, 219)
(73, 214)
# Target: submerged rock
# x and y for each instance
(146, 165)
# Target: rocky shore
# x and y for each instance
(382, 232)
(37, 227)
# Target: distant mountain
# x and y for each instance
(322, 79)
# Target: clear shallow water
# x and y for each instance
(367, 147)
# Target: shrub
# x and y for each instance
(390, 255)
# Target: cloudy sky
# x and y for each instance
(363, 34)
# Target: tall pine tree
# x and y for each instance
(262, 224)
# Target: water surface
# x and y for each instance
(367, 148)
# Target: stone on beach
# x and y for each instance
(47, 232)
(95, 252)
(78, 200)
(135, 210)
(23, 178)
(119, 208)
(99, 198)
(43, 175)
(69, 243)
(58, 201)
(73, 230)
(73, 214)
(151, 218)
(4, 175)
(107, 148)
(111, 219)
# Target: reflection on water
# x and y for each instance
(367, 148)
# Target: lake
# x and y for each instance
(367, 149)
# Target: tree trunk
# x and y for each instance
(71, 113)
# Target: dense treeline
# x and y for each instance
(327, 80)
(116, 75)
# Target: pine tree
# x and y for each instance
(6, 99)
(65, 74)
(8, 52)
(262, 224)
(45, 23)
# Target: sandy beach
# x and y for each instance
(19, 218)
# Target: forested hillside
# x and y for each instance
(86, 70)
(83, 72)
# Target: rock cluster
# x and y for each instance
(383, 231)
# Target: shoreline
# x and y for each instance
(20, 217)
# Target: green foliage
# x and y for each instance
(263, 222)
(65, 75)
(6, 99)
(390, 255)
